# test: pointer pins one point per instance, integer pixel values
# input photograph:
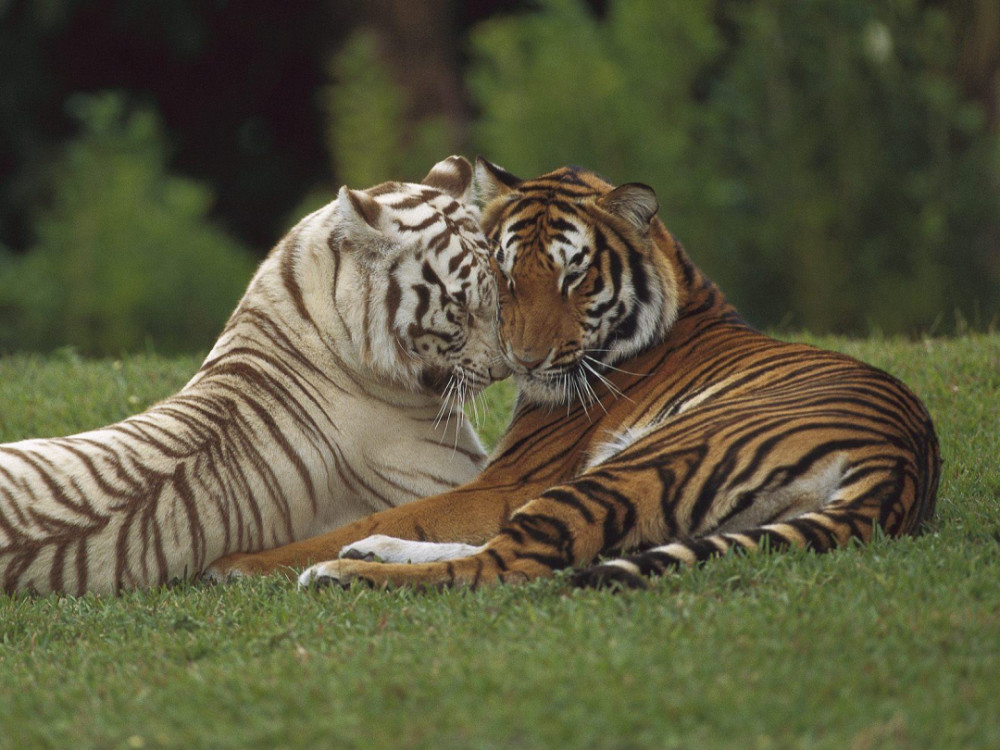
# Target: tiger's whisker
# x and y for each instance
(406, 352)
(471, 400)
(592, 394)
(615, 390)
(483, 403)
(612, 367)
(460, 411)
(626, 372)
(580, 396)
(445, 403)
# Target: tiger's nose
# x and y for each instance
(529, 359)
(499, 371)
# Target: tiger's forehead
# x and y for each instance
(449, 248)
(551, 229)
(549, 217)
(408, 202)
(438, 222)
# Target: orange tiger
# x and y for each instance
(651, 419)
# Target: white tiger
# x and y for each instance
(334, 391)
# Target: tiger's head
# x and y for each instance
(416, 290)
(583, 283)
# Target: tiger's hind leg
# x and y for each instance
(888, 499)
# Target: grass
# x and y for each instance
(895, 645)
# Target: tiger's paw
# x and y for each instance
(614, 574)
(388, 549)
(334, 573)
(223, 570)
(472, 571)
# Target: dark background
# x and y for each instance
(835, 165)
(234, 82)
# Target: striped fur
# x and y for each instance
(651, 419)
(334, 391)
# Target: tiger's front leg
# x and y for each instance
(502, 560)
(565, 526)
(472, 514)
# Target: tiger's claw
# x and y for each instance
(615, 575)
(334, 573)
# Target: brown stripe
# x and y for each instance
(287, 265)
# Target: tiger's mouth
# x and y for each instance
(582, 382)
(555, 374)
(555, 385)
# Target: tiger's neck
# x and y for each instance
(696, 300)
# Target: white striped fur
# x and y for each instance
(334, 391)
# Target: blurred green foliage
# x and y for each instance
(368, 139)
(815, 157)
(125, 255)
(365, 109)
(818, 159)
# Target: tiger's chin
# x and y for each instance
(582, 381)
(562, 388)
(540, 392)
(435, 379)
(457, 383)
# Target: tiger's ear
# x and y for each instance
(359, 215)
(493, 181)
(358, 229)
(634, 202)
(452, 176)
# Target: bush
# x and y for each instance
(369, 139)
(126, 257)
(816, 158)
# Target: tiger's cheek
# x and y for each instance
(597, 306)
(511, 329)
(503, 319)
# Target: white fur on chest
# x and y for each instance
(386, 456)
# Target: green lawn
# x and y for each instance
(893, 645)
